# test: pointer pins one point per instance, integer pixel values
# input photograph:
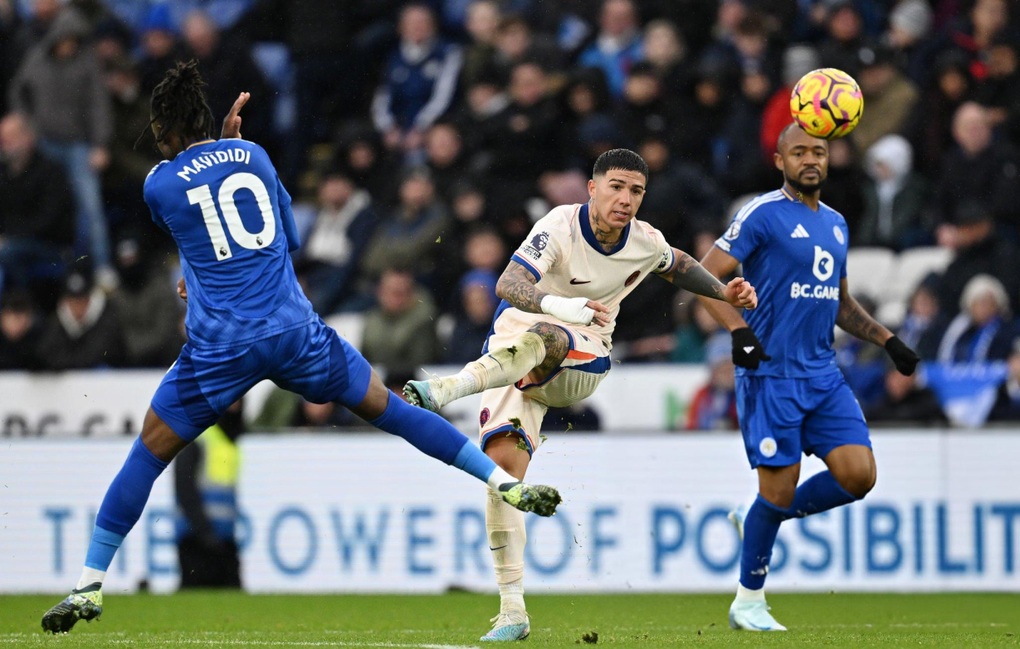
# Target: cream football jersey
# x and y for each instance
(562, 253)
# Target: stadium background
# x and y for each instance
(699, 88)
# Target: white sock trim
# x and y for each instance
(750, 594)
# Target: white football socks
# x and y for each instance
(507, 537)
(750, 594)
(498, 368)
(90, 576)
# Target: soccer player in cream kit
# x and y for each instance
(791, 396)
(552, 335)
(247, 320)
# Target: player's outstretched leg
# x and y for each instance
(84, 604)
(500, 367)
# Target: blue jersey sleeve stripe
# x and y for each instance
(524, 262)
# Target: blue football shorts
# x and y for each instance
(782, 418)
(311, 360)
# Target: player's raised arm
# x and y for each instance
(853, 319)
(687, 273)
(517, 285)
(232, 122)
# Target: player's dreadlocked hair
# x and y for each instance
(179, 105)
(624, 159)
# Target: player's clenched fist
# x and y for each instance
(739, 292)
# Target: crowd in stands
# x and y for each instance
(421, 139)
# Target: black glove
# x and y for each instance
(747, 349)
(905, 358)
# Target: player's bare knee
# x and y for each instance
(859, 483)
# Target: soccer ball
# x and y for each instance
(827, 103)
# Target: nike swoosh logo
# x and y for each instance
(576, 281)
(499, 548)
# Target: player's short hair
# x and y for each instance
(179, 103)
(624, 159)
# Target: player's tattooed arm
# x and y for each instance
(517, 286)
(853, 319)
(687, 273)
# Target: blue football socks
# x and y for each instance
(760, 528)
(123, 504)
(821, 492)
(434, 436)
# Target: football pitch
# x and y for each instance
(455, 621)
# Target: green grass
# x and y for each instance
(221, 619)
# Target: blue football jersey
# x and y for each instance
(795, 258)
(224, 205)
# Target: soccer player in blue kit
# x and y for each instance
(793, 399)
(247, 321)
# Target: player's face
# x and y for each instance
(616, 196)
(804, 160)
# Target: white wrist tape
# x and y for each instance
(568, 309)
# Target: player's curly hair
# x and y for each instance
(624, 159)
(179, 104)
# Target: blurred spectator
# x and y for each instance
(618, 44)
(1007, 399)
(470, 247)
(983, 331)
(85, 332)
(474, 319)
(478, 117)
(999, 91)
(714, 405)
(667, 52)
(681, 198)
(482, 24)
(862, 364)
(228, 69)
(61, 87)
(130, 161)
(410, 231)
(971, 234)
(798, 60)
(517, 43)
(331, 46)
(328, 262)
(29, 31)
(419, 81)
(924, 323)
(906, 401)
(585, 100)
(160, 46)
(701, 136)
(444, 157)
(643, 111)
(973, 31)
(36, 211)
(147, 307)
(910, 23)
(949, 86)
(978, 168)
(526, 139)
(890, 94)
(844, 35)
(20, 331)
(400, 332)
(894, 198)
(846, 178)
(361, 155)
(206, 474)
(696, 328)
